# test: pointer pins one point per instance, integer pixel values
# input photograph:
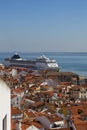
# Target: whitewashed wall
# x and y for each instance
(4, 105)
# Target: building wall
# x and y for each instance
(15, 102)
(32, 128)
(83, 94)
(4, 106)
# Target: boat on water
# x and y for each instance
(40, 63)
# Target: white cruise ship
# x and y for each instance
(40, 63)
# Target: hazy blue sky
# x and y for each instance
(43, 25)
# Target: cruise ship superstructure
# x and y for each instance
(40, 63)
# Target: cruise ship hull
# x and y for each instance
(41, 63)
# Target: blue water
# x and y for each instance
(68, 61)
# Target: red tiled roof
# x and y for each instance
(15, 111)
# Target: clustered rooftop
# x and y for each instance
(46, 100)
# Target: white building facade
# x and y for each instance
(5, 115)
(15, 101)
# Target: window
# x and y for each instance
(4, 125)
(17, 99)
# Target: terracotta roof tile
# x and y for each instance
(18, 90)
(13, 96)
(15, 111)
(81, 126)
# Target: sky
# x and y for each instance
(43, 25)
